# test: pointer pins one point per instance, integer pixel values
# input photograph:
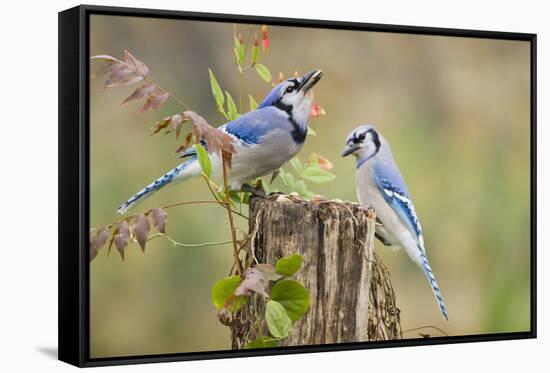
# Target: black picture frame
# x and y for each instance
(74, 184)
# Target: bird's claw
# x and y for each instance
(254, 191)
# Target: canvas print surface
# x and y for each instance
(261, 186)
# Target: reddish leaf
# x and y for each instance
(154, 101)
(105, 58)
(159, 219)
(186, 143)
(254, 281)
(121, 77)
(178, 131)
(136, 65)
(176, 120)
(323, 162)
(216, 140)
(268, 271)
(121, 237)
(143, 91)
(161, 124)
(176, 123)
(316, 111)
(281, 77)
(142, 229)
(97, 242)
(265, 39)
(317, 198)
(111, 67)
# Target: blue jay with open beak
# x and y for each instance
(381, 186)
(264, 139)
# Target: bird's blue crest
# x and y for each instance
(272, 97)
(361, 129)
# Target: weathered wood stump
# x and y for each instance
(351, 296)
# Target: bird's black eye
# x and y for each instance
(289, 89)
(362, 136)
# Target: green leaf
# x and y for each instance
(289, 265)
(289, 181)
(237, 303)
(317, 175)
(241, 52)
(262, 342)
(311, 132)
(278, 322)
(295, 162)
(245, 197)
(301, 188)
(255, 51)
(263, 72)
(236, 44)
(265, 185)
(253, 103)
(237, 57)
(222, 196)
(307, 194)
(204, 160)
(223, 289)
(231, 107)
(268, 271)
(235, 196)
(216, 90)
(293, 296)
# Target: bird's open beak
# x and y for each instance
(350, 148)
(310, 79)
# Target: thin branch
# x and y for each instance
(426, 327)
(176, 243)
(174, 97)
(189, 203)
(222, 203)
(230, 215)
(178, 204)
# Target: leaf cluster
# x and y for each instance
(136, 227)
(286, 300)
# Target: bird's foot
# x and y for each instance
(258, 192)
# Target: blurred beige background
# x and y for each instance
(455, 110)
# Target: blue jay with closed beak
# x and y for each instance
(264, 139)
(381, 186)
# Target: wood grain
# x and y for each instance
(336, 242)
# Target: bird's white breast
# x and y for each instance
(251, 161)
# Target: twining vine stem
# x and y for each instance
(225, 161)
(176, 243)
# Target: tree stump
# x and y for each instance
(351, 295)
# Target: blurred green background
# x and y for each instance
(455, 110)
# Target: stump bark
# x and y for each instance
(351, 295)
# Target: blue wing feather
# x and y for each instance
(393, 188)
(249, 128)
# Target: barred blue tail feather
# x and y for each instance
(431, 279)
(181, 173)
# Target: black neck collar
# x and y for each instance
(298, 133)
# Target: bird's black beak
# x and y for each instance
(310, 79)
(350, 148)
